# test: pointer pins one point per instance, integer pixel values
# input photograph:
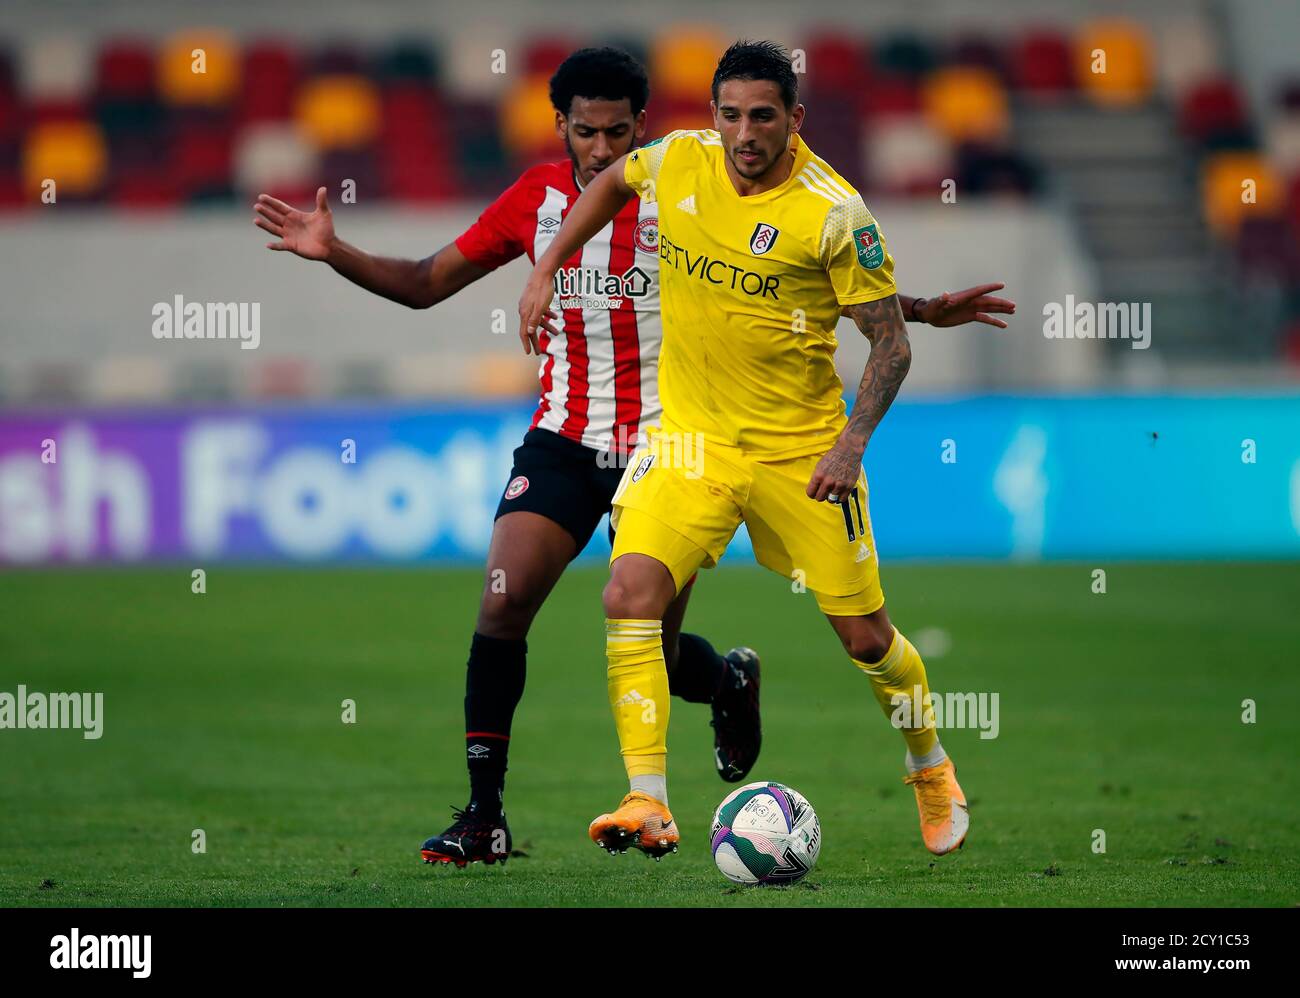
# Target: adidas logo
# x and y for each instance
(863, 553)
(687, 204)
(629, 698)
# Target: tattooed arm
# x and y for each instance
(882, 323)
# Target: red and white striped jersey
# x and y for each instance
(599, 377)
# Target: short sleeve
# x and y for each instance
(494, 240)
(854, 253)
(641, 169)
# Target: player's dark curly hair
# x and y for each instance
(600, 74)
(758, 61)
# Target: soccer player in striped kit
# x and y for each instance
(599, 389)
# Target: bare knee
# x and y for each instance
(624, 602)
(639, 588)
(867, 639)
(506, 613)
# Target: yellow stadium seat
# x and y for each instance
(528, 119)
(198, 68)
(1113, 62)
(71, 153)
(682, 62)
(966, 103)
(339, 111)
(1226, 197)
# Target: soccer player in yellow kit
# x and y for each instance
(761, 246)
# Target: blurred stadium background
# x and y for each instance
(1004, 446)
(1116, 186)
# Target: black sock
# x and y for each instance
(494, 683)
(699, 670)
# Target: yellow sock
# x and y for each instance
(638, 694)
(901, 673)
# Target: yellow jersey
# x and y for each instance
(751, 290)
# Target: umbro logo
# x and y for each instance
(548, 222)
(478, 750)
(687, 204)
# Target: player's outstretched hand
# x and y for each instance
(956, 308)
(535, 311)
(836, 474)
(308, 235)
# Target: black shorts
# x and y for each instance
(561, 480)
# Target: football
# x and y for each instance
(765, 833)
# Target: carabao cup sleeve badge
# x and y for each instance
(871, 254)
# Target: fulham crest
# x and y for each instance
(763, 239)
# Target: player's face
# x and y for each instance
(597, 132)
(754, 124)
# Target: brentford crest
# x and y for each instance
(646, 235)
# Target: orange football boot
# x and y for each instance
(942, 807)
(640, 821)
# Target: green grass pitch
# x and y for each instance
(1119, 711)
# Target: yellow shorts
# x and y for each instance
(680, 504)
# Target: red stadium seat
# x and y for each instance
(837, 65)
(543, 56)
(201, 156)
(978, 51)
(891, 96)
(1212, 108)
(1041, 64)
(271, 75)
(125, 70)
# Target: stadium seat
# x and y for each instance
(906, 156)
(978, 52)
(282, 378)
(1283, 143)
(338, 112)
(905, 55)
(72, 153)
(991, 170)
(498, 375)
(415, 162)
(542, 56)
(275, 158)
(528, 121)
(1124, 49)
(55, 68)
(271, 73)
(179, 81)
(1187, 54)
(339, 58)
(890, 96)
(129, 379)
(1222, 177)
(1212, 109)
(966, 103)
(406, 61)
(201, 158)
(476, 138)
(682, 61)
(125, 70)
(837, 65)
(1267, 247)
(1040, 64)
